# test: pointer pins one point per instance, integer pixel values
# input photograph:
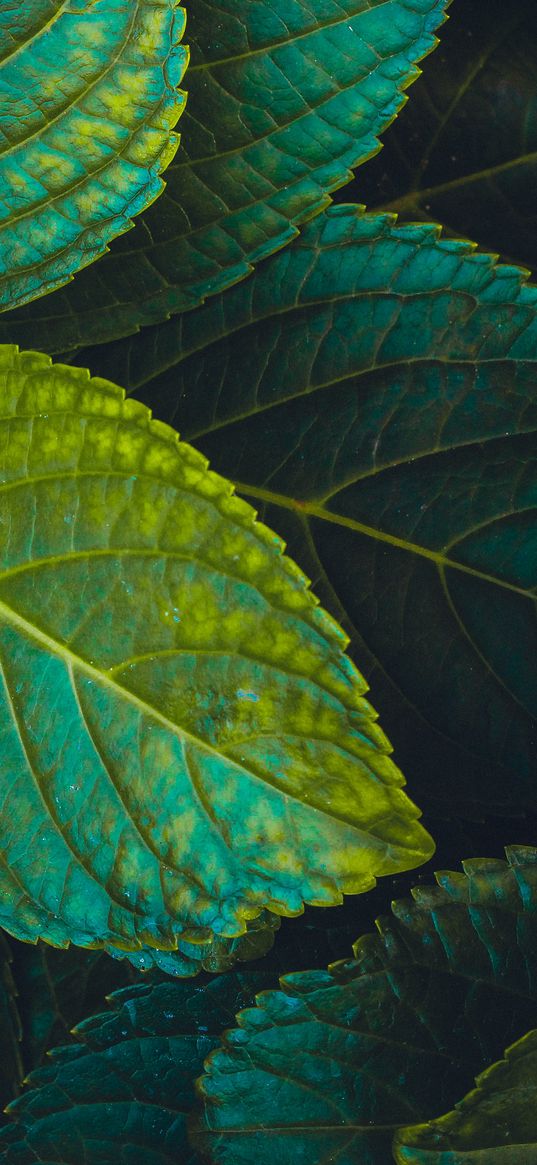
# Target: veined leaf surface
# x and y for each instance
(124, 1092)
(88, 100)
(182, 740)
(464, 151)
(374, 386)
(496, 1124)
(284, 100)
(327, 1068)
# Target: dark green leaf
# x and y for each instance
(88, 99)
(183, 741)
(11, 1063)
(464, 151)
(329, 1066)
(283, 100)
(374, 387)
(55, 990)
(494, 1125)
(123, 1092)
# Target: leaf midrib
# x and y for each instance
(62, 651)
(316, 510)
(414, 198)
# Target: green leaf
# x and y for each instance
(496, 1123)
(464, 151)
(329, 1066)
(217, 954)
(11, 1064)
(88, 99)
(124, 1092)
(182, 740)
(284, 100)
(54, 990)
(374, 387)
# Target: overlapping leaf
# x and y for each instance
(496, 1124)
(464, 151)
(11, 1064)
(374, 386)
(284, 99)
(125, 1091)
(88, 99)
(329, 1066)
(183, 741)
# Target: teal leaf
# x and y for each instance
(183, 742)
(88, 100)
(44, 992)
(123, 1092)
(373, 387)
(284, 101)
(329, 1066)
(496, 1124)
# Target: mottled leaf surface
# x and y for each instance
(496, 1124)
(284, 99)
(464, 150)
(88, 100)
(374, 386)
(124, 1092)
(326, 1068)
(183, 741)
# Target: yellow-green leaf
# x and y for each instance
(182, 740)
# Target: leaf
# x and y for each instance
(218, 954)
(183, 741)
(56, 989)
(125, 1091)
(88, 101)
(495, 1123)
(464, 151)
(11, 1067)
(329, 1066)
(374, 387)
(284, 100)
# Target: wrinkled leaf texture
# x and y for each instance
(125, 1091)
(374, 386)
(88, 100)
(283, 101)
(183, 742)
(329, 1066)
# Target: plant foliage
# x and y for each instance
(187, 756)
(182, 669)
(88, 99)
(284, 99)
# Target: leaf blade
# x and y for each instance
(181, 665)
(247, 173)
(494, 1122)
(86, 132)
(373, 387)
(332, 1061)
